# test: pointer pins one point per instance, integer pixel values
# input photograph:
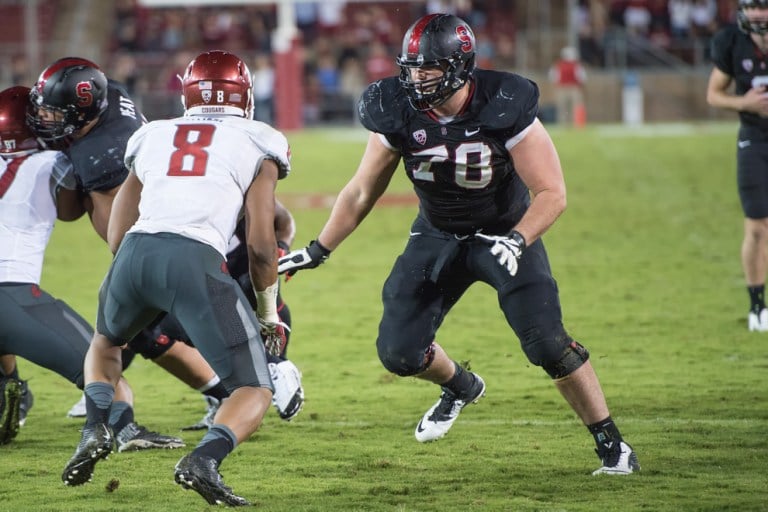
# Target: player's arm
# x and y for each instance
(538, 165)
(102, 208)
(285, 226)
(719, 95)
(124, 211)
(260, 240)
(358, 196)
(69, 205)
(70, 198)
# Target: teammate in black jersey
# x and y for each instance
(74, 109)
(740, 56)
(489, 184)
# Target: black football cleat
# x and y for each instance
(10, 406)
(133, 437)
(201, 474)
(27, 401)
(96, 443)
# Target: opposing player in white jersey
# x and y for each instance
(34, 191)
(190, 178)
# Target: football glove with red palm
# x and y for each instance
(275, 336)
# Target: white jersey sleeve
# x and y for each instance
(195, 172)
(27, 215)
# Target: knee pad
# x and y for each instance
(150, 343)
(556, 352)
(573, 356)
(406, 364)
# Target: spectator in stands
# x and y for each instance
(125, 71)
(379, 63)
(306, 20)
(704, 18)
(680, 19)
(568, 76)
(330, 16)
(263, 88)
(20, 72)
(505, 53)
(172, 37)
(637, 18)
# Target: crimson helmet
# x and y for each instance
(217, 82)
(15, 136)
(74, 91)
(440, 40)
(755, 25)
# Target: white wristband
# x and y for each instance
(266, 303)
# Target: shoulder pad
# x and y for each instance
(505, 100)
(274, 144)
(63, 171)
(383, 107)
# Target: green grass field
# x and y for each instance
(647, 260)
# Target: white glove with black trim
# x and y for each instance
(309, 257)
(507, 249)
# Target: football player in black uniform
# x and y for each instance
(740, 55)
(489, 184)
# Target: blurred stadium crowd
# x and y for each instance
(346, 44)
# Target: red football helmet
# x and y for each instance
(15, 136)
(217, 82)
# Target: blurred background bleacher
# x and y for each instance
(343, 45)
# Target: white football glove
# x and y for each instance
(506, 249)
(309, 257)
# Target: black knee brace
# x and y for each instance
(573, 356)
(150, 343)
(401, 365)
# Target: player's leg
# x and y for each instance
(44, 331)
(531, 305)
(752, 164)
(123, 311)
(416, 300)
(213, 310)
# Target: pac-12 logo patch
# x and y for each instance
(420, 136)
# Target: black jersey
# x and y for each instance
(97, 157)
(735, 54)
(461, 169)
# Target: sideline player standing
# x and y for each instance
(739, 54)
(476, 153)
(172, 220)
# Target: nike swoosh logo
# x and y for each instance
(744, 143)
(419, 428)
(469, 133)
